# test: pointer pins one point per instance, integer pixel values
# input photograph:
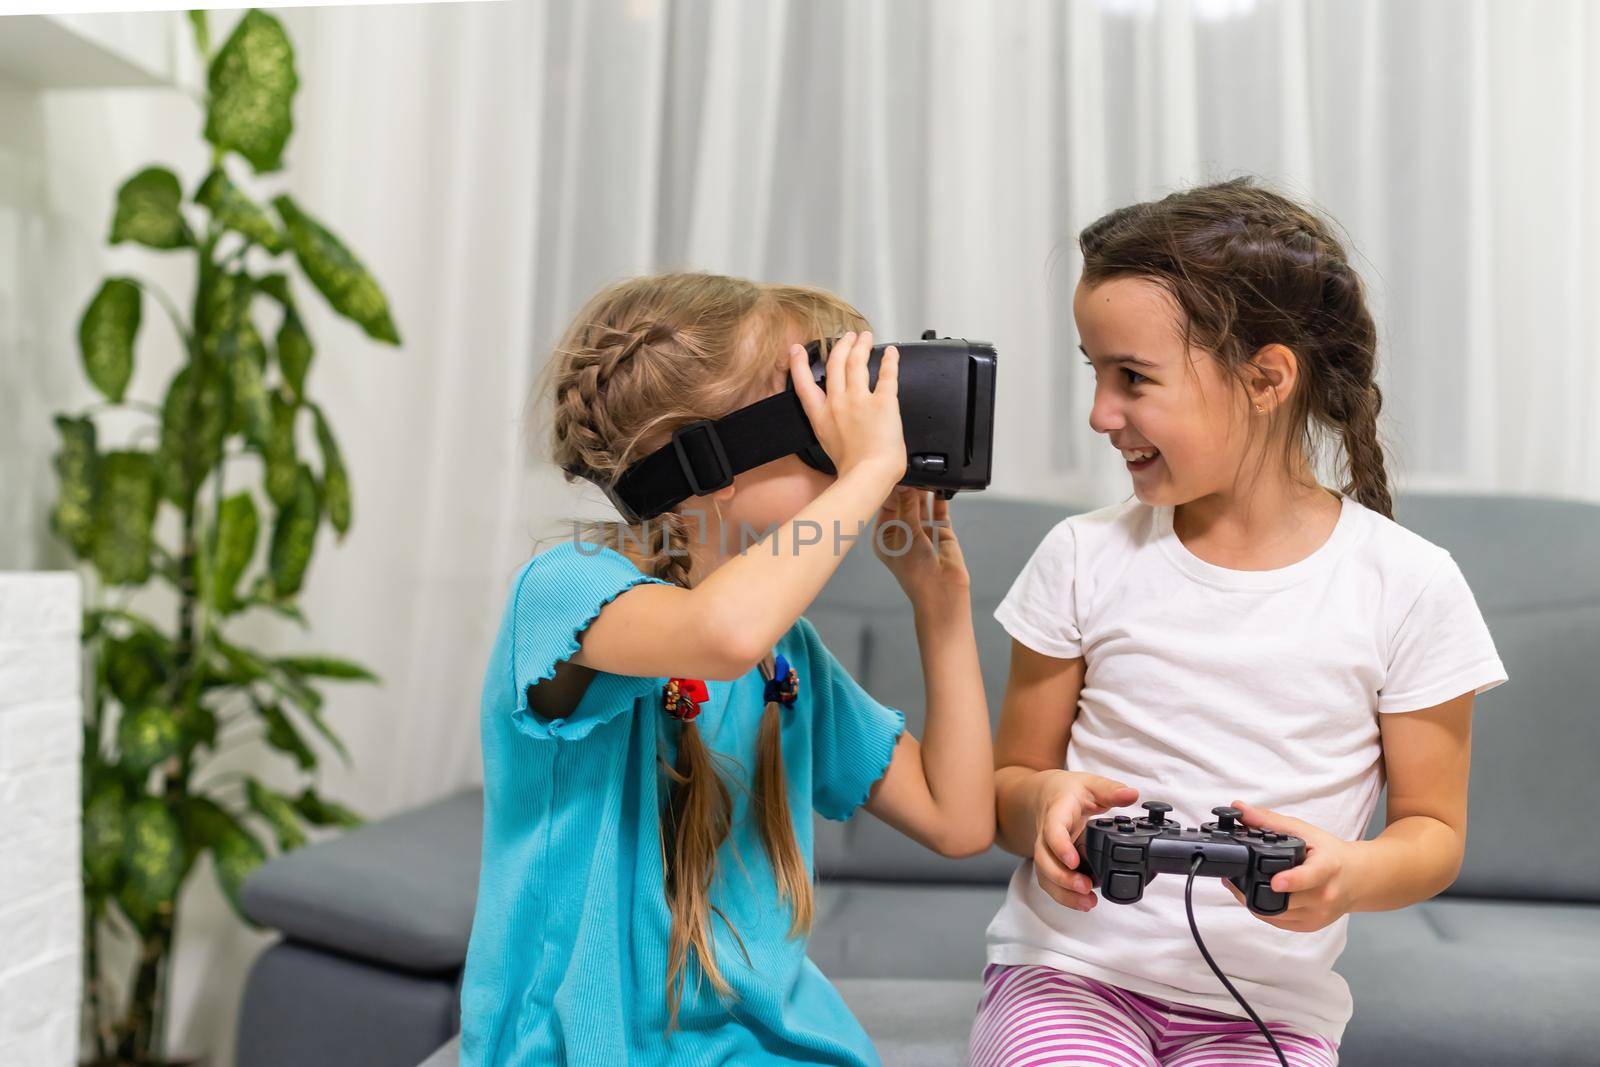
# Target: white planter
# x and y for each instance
(41, 910)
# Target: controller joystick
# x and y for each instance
(1226, 818)
(1158, 811)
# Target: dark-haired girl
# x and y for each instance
(1234, 634)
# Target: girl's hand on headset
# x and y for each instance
(859, 428)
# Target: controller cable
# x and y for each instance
(1188, 906)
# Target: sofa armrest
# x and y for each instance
(398, 892)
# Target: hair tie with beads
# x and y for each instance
(784, 685)
(682, 697)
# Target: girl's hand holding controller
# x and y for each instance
(1320, 888)
(857, 427)
(1070, 800)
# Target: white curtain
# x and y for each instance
(933, 162)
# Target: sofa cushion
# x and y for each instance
(447, 1055)
(886, 930)
(1452, 982)
(1465, 983)
(400, 891)
(1534, 567)
(311, 1008)
(914, 1022)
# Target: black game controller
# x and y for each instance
(1121, 854)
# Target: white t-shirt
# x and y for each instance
(1204, 685)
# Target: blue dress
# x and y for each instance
(567, 962)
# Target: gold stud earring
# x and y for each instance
(1260, 410)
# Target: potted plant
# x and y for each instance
(219, 500)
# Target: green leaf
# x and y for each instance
(148, 212)
(242, 665)
(194, 421)
(294, 351)
(294, 535)
(137, 665)
(146, 737)
(313, 714)
(154, 858)
(203, 822)
(237, 212)
(235, 852)
(124, 511)
(105, 336)
(320, 812)
(237, 526)
(252, 84)
(76, 464)
(260, 596)
(104, 823)
(278, 812)
(252, 413)
(280, 452)
(202, 32)
(276, 285)
(235, 855)
(227, 330)
(282, 736)
(199, 726)
(337, 273)
(327, 667)
(335, 480)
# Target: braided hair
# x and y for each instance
(1250, 268)
(642, 358)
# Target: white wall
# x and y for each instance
(41, 909)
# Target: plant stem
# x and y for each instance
(171, 308)
(91, 953)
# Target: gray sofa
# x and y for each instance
(1500, 970)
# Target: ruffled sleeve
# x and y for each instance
(853, 736)
(555, 597)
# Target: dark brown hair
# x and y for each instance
(1249, 268)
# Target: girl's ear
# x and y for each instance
(1274, 370)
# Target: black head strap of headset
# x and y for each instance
(703, 456)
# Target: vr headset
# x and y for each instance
(946, 412)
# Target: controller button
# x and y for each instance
(1124, 887)
(1125, 828)
(1269, 838)
(1124, 819)
(1274, 864)
(1127, 854)
(1264, 899)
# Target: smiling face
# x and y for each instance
(1154, 394)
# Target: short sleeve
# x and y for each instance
(852, 735)
(1442, 647)
(1041, 608)
(554, 599)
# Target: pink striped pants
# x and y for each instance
(1031, 1016)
